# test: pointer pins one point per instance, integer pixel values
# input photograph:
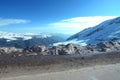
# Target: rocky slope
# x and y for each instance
(69, 49)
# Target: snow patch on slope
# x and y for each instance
(75, 41)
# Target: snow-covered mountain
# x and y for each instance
(8, 39)
(25, 36)
(107, 31)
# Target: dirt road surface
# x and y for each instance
(104, 72)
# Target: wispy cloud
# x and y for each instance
(77, 24)
(4, 22)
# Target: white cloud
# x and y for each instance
(4, 22)
(77, 24)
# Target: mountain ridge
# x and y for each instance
(105, 31)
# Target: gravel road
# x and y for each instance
(104, 72)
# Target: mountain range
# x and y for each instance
(108, 30)
(8, 39)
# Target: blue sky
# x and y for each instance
(51, 16)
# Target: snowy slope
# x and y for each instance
(106, 31)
